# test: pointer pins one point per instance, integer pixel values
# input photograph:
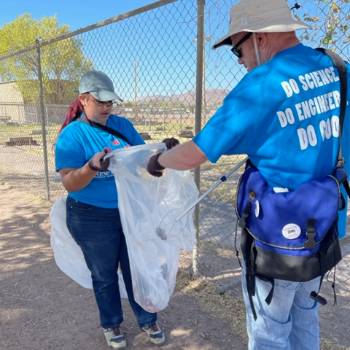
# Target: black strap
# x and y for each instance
(310, 234)
(247, 245)
(235, 243)
(347, 187)
(322, 253)
(109, 130)
(342, 70)
(269, 296)
(341, 67)
(268, 299)
(242, 221)
(333, 287)
(316, 295)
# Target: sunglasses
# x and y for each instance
(236, 50)
(99, 103)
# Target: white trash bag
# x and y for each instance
(151, 214)
(68, 255)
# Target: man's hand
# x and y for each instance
(171, 142)
(153, 166)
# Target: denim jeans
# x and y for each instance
(99, 234)
(290, 322)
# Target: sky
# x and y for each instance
(153, 53)
(131, 52)
(75, 13)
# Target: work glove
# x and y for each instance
(154, 167)
(98, 163)
(171, 142)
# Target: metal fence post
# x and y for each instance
(43, 119)
(198, 116)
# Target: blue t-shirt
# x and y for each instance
(79, 141)
(284, 116)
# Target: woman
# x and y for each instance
(88, 133)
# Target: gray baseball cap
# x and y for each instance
(99, 86)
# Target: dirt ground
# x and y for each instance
(43, 309)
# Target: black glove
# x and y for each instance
(171, 142)
(99, 164)
(104, 164)
(153, 166)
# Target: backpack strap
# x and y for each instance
(342, 70)
(247, 244)
(341, 67)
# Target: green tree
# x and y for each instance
(329, 21)
(62, 62)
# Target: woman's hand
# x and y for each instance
(76, 179)
(98, 163)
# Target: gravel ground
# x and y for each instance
(43, 309)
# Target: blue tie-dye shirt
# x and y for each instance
(284, 115)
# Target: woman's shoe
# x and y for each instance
(115, 338)
(154, 333)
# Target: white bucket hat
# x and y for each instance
(260, 16)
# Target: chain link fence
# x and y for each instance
(171, 81)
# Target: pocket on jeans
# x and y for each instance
(73, 204)
(278, 311)
(270, 333)
(313, 305)
(277, 318)
(81, 225)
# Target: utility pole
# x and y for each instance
(206, 40)
(198, 118)
(204, 97)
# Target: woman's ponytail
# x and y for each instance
(74, 111)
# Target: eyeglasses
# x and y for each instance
(99, 103)
(236, 50)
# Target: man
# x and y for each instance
(284, 115)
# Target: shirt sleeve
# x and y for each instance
(127, 129)
(69, 152)
(229, 130)
(135, 138)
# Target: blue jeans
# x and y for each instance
(98, 232)
(290, 322)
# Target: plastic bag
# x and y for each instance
(150, 208)
(68, 255)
